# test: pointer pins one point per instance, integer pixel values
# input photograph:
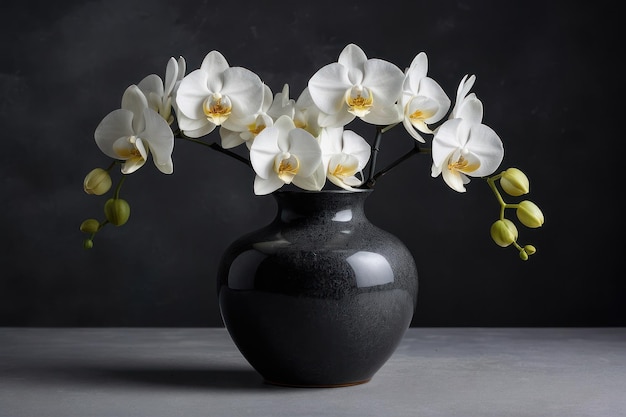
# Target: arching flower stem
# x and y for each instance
(215, 146)
(119, 186)
(373, 177)
(414, 151)
(503, 204)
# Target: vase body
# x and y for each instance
(320, 296)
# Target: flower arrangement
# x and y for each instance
(305, 141)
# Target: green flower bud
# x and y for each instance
(529, 214)
(530, 249)
(90, 226)
(88, 244)
(117, 211)
(514, 182)
(504, 232)
(523, 255)
(97, 182)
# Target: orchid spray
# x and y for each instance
(305, 141)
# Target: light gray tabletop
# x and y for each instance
(127, 372)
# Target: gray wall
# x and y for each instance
(546, 75)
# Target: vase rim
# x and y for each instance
(355, 191)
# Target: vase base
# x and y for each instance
(346, 384)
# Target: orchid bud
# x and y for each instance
(504, 232)
(530, 249)
(97, 182)
(90, 226)
(88, 244)
(523, 255)
(529, 214)
(514, 182)
(117, 211)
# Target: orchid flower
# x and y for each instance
(134, 130)
(344, 155)
(356, 86)
(235, 132)
(282, 154)
(461, 148)
(160, 93)
(423, 100)
(215, 92)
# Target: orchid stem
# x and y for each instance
(218, 148)
(375, 149)
(414, 151)
(119, 186)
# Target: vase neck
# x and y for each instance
(323, 206)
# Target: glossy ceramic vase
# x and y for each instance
(320, 297)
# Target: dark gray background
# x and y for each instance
(547, 75)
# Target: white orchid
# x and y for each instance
(160, 93)
(462, 149)
(423, 100)
(282, 154)
(344, 155)
(215, 92)
(133, 131)
(237, 131)
(356, 86)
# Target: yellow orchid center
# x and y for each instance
(359, 100)
(287, 167)
(344, 171)
(463, 165)
(420, 115)
(217, 108)
(130, 150)
(255, 129)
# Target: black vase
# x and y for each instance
(320, 296)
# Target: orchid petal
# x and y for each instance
(313, 182)
(431, 89)
(471, 110)
(171, 75)
(214, 64)
(230, 138)
(245, 90)
(263, 186)
(355, 145)
(263, 152)
(192, 92)
(353, 58)
(411, 130)
(454, 179)
(486, 145)
(151, 84)
(115, 125)
(160, 138)
(445, 141)
(328, 87)
(417, 70)
(307, 150)
(135, 101)
(385, 81)
(284, 124)
(387, 115)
